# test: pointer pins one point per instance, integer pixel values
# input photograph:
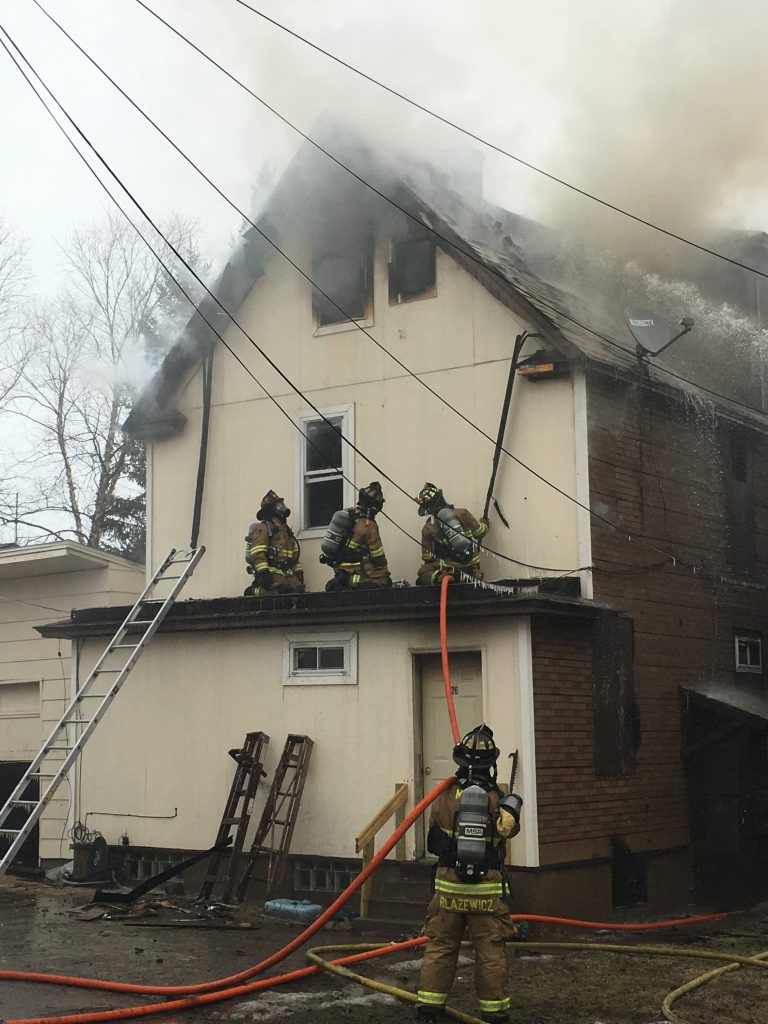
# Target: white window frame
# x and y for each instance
(349, 492)
(752, 638)
(320, 677)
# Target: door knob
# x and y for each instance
(427, 770)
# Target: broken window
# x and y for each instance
(412, 267)
(344, 280)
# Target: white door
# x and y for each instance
(437, 739)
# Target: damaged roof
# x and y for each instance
(575, 298)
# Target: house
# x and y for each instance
(39, 583)
(621, 653)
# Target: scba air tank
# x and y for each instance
(473, 828)
(337, 531)
(460, 544)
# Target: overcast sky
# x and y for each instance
(656, 105)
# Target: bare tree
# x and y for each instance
(89, 351)
(14, 282)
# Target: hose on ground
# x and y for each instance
(336, 967)
(666, 1006)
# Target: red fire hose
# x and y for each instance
(231, 987)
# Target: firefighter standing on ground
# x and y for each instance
(272, 551)
(352, 545)
(449, 539)
(467, 828)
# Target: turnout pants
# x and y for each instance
(488, 931)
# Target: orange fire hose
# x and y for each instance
(228, 988)
(444, 654)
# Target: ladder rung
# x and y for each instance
(101, 671)
(50, 750)
(10, 832)
(231, 821)
(131, 646)
(174, 577)
(141, 622)
(24, 803)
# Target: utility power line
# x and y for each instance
(437, 234)
(497, 149)
(189, 298)
(675, 560)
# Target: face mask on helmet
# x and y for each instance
(281, 510)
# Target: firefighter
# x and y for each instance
(272, 551)
(449, 539)
(352, 545)
(467, 828)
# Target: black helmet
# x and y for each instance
(371, 497)
(430, 499)
(477, 749)
(272, 504)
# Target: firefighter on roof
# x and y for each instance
(272, 551)
(449, 539)
(352, 544)
(467, 828)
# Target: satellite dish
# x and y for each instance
(650, 332)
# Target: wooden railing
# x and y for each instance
(365, 840)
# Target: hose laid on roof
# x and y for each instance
(444, 583)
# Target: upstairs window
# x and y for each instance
(346, 278)
(749, 651)
(737, 448)
(412, 268)
(324, 462)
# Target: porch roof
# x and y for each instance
(334, 609)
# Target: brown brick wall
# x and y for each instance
(657, 472)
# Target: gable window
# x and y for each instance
(412, 267)
(324, 462)
(748, 651)
(329, 659)
(345, 285)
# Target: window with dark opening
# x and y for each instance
(323, 480)
(739, 498)
(344, 291)
(412, 270)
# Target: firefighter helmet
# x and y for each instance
(270, 504)
(430, 499)
(371, 497)
(476, 749)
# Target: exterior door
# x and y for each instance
(437, 739)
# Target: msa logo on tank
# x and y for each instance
(473, 832)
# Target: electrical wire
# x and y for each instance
(471, 255)
(230, 316)
(672, 558)
(498, 149)
(310, 280)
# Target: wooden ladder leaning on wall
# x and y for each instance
(278, 819)
(237, 812)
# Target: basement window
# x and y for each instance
(749, 651)
(329, 659)
(343, 295)
(412, 269)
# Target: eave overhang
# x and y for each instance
(412, 604)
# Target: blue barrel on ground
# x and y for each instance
(293, 910)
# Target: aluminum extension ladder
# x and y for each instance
(144, 618)
(237, 812)
(278, 819)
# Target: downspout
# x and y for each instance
(200, 485)
(519, 342)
